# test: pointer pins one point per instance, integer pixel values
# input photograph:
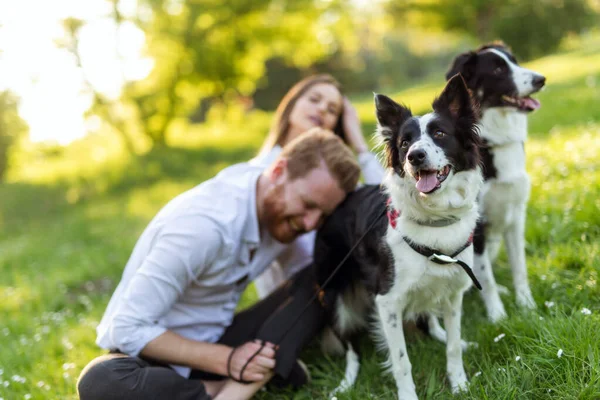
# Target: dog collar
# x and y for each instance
(439, 257)
(393, 214)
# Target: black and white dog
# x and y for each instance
(417, 260)
(502, 88)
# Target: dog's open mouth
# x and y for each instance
(428, 181)
(526, 104)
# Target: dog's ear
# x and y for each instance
(463, 64)
(456, 99)
(390, 116)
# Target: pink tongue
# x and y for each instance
(530, 103)
(427, 182)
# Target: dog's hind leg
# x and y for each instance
(514, 238)
(352, 367)
(490, 295)
(454, 362)
(437, 332)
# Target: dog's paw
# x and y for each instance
(407, 395)
(461, 386)
(525, 299)
(496, 312)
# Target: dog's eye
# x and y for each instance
(439, 134)
(404, 144)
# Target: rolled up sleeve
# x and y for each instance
(181, 251)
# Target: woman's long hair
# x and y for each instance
(281, 121)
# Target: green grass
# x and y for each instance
(68, 222)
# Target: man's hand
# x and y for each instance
(258, 367)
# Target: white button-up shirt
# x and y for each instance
(190, 266)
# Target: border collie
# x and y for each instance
(503, 89)
(417, 260)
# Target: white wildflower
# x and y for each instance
(541, 318)
(40, 384)
(586, 311)
(68, 366)
(18, 378)
(27, 396)
(560, 353)
(477, 374)
(5, 383)
(1, 372)
(543, 277)
(334, 398)
(517, 358)
(549, 304)
(502, 369)
(499, 337)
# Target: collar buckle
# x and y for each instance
(442, 259)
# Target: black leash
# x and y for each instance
(308, 303)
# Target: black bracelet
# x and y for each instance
(230, 375)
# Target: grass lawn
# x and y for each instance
(68, 224)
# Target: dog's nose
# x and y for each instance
(538, 81)
(416, 157)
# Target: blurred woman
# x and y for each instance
(316, 101)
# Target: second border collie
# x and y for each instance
(415, 261)
(503, 90)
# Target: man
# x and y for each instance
(170, 324)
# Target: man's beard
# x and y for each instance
(273, 218)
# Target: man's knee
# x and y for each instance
(98, 381)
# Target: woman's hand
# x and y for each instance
(352, 128)
(258, 367)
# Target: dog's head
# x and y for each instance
(496, 79)
(429, 151)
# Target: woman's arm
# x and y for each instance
(372, 170)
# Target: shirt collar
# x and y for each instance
(251, 233)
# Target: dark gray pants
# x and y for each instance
(119, 378)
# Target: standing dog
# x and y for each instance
(417, 260)
(503, 89)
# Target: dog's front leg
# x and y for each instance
(514, 238)
(454, 362)
(390, 314)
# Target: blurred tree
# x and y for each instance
(102, 106)
(531, 27)
(12, 128)
(214, 49)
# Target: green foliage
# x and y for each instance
(12, 128)
(531, 27)
(213, 49)
(536, 27)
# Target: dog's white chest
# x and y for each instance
(421, 285)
